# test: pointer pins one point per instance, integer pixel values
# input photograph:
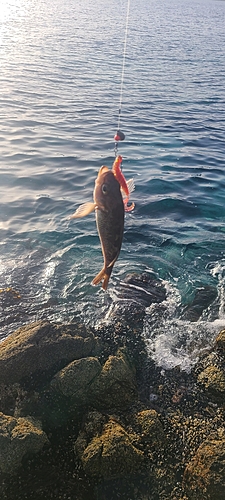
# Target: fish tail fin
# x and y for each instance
(102, 276)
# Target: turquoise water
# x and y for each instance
(60, 77)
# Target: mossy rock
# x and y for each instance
(150, 428)
(213, 379)
(41, 349)
(115, 387)
(75, 379)
(111, 454)
(84, 383)
(17, 438)
(204, 476)
(8, 398)
(220, 342)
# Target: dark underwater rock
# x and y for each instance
(204, 296)
(133, 295)
(17, 438)
(42, 348)
(143, 289)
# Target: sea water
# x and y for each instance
(60, 87)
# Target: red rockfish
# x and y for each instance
(109, 209)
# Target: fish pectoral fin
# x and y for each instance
(84, 210)
(102, 276)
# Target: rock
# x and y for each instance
(42, 348)
(213, 379)
(8, 398)
(150, 428)
(84, 383)
(115, 386)
(134, 294)
(220, 342)
(111, 454)
(204, 296)
(69, 392)
(74, 380)
(17, 438)
(204, 476)
(92, 427)
(144, 289)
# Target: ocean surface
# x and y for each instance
(60, 83)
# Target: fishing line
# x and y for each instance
(119, 135)
(124, 59)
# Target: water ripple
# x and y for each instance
(60, 86)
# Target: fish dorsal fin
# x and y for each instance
(103, 169)
(84, 210)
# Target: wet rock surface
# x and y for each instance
(134, 294)
(87, 415)
(204, 296)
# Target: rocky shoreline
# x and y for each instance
(85, 414)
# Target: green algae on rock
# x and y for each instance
(84, 383)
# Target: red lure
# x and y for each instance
(122, 181)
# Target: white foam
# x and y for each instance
(172, 341)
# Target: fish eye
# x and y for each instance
(104, 188)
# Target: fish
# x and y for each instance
(109, 211)
(126, 186)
